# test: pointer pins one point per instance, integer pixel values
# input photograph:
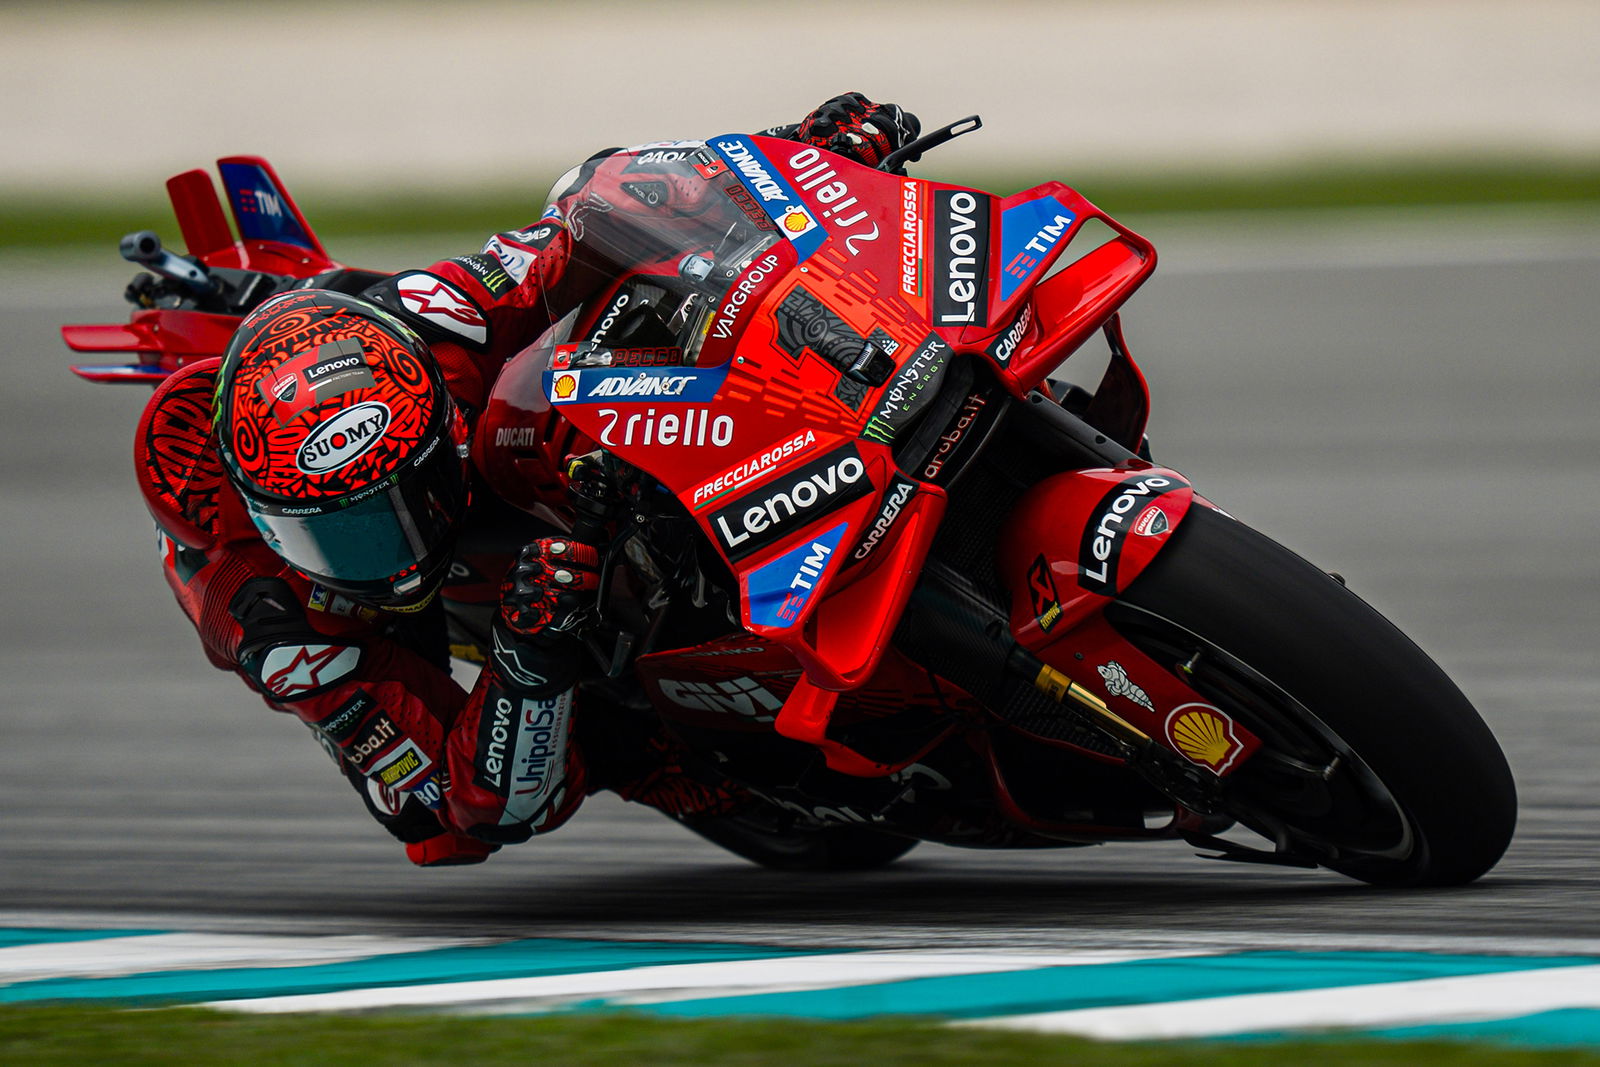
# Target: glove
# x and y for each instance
(854, 126)
(544, 590)
(547, 596)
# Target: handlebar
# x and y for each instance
(912, 152)
(144, 248)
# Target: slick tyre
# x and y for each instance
(767, 840)
(1373, 763)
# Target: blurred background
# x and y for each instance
(392, 114)
(1372, 334)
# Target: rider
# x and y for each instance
(310, 492)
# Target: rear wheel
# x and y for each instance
(769, 838)
(1373, 763)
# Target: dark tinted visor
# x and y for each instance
(397, 526)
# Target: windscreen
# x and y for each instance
(679, 223)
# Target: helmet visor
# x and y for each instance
(379, 538)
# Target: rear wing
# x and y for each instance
(273, 238)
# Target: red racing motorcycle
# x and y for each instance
(873, 566)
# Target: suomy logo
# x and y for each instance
(343, 438)
(789, 503)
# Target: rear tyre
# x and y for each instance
(765, 838)
(1373, 762)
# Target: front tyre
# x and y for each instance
(1373, 763)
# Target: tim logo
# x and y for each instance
(260, 202)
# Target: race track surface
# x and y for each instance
(1411, 405)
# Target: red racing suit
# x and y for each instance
(452, 774)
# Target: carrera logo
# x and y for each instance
(899, 493)
(961, 259)
(1006, 344)
(1100, 550)
(787, 504)
(344, 438)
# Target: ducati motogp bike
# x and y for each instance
(873, 565)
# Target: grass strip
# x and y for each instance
(44, 220)
(44, 1036)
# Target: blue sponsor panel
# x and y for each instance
(623, 385)
(1028, 233)
(262, 210)
(777, 198)
(780, 591)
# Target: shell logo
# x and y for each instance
(565, 385)
(796, 221)
(1204, 735)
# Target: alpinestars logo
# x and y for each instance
(785, 505)
(292, 671)
(442, 305)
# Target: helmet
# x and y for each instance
(335, 426)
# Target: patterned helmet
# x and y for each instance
(337, 430)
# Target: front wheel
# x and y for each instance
(1372, 761)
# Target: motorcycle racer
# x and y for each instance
(313, 493)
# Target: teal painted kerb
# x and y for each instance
(1575, 1027)
(973, 996)
(1567, 1027)
(19, 937)
(514, 959)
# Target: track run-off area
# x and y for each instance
(1406, 400)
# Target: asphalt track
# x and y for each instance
(1406, 402)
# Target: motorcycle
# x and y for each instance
(871, 564)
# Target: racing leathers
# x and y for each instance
(452, 774)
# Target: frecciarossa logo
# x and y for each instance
(785, 504)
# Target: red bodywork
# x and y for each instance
(822, 594)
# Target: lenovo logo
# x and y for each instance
(789, 503)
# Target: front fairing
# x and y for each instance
(783, 340)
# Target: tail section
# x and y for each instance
(262, 207)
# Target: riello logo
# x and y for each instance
(344, 438)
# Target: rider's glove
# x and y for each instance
(855, 127)
(546, 598)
